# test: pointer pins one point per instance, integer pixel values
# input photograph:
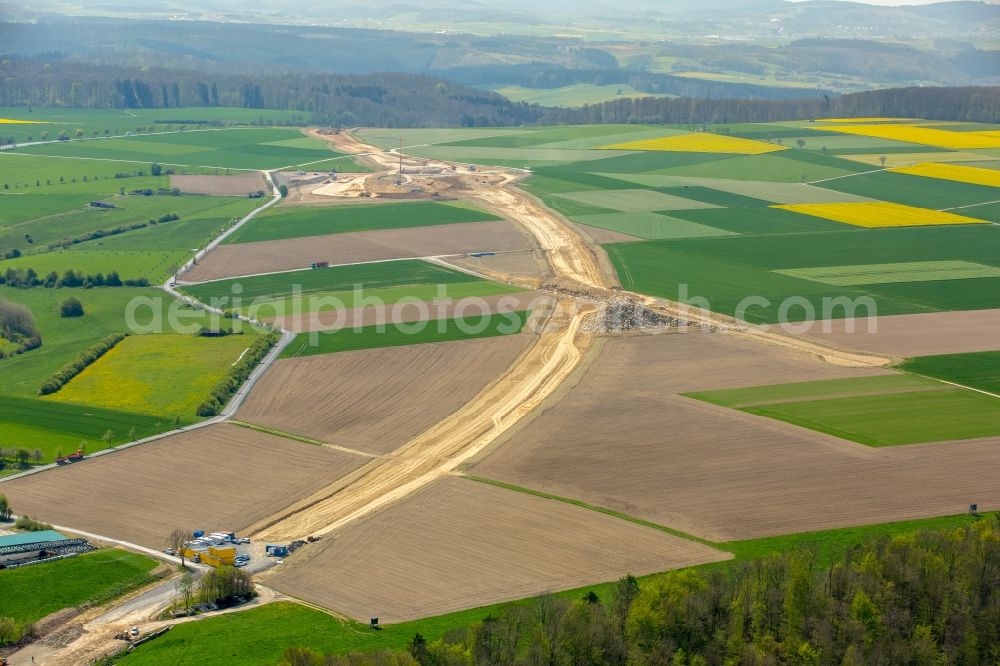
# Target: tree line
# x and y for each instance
(25, 278)
(969, 104)
(238, 373)
(923, 599)
(386, 100)
(80, 363)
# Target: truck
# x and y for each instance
(71, 458)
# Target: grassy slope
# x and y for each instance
(318, 221)
(441, 330)
(31, 593)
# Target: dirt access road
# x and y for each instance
(535, 375)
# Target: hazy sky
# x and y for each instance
(893, 3)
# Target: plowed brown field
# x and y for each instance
(376, 399)
(916, 334)
(236, 186)
(326, 320)
(622, 438)
(460, 544)
(218, 477)
(238, 259)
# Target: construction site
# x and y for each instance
(461, 473)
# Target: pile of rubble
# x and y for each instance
(620, 314)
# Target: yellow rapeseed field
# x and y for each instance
(879, 214)
(926, 136)
(963, 174)
(11, 121)
(700, 142)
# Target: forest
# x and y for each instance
(381, 100)
(414, 100)
(925, 598)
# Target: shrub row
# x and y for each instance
(28, 277)
(103, 233)
(238, 374)
(23, 345)
(72, 369)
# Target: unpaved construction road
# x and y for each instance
(535, 375)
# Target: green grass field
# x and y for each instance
(169, 374)
(875, 411)
(52, 427)
(348, 286)
(119, 121)
(440, 330)
(67, 224)
(979, 370)
(259, 636)
(251, 148)
(31, 593)
(650, 225)
(569, 96)
(917, 191)
(63, 339)
(291, 222)
(728, 270)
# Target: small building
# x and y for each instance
(101, 204)
(16, 549)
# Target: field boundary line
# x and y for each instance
(591, 507)
(299, 438)
(955, 384)
(427, 258)
(984, 203)
(849, 175)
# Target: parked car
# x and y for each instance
(170, 551)
(134, 631)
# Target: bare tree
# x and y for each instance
(882, 159)
(176, 540)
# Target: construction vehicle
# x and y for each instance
(71, 458)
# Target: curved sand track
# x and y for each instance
(535, 375)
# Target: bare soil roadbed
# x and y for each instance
(904, 336)
(623, 438)
(239, 185)
(461, 544)
(377, 399)
(219, 477)
(437, 451)
(226, 261)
